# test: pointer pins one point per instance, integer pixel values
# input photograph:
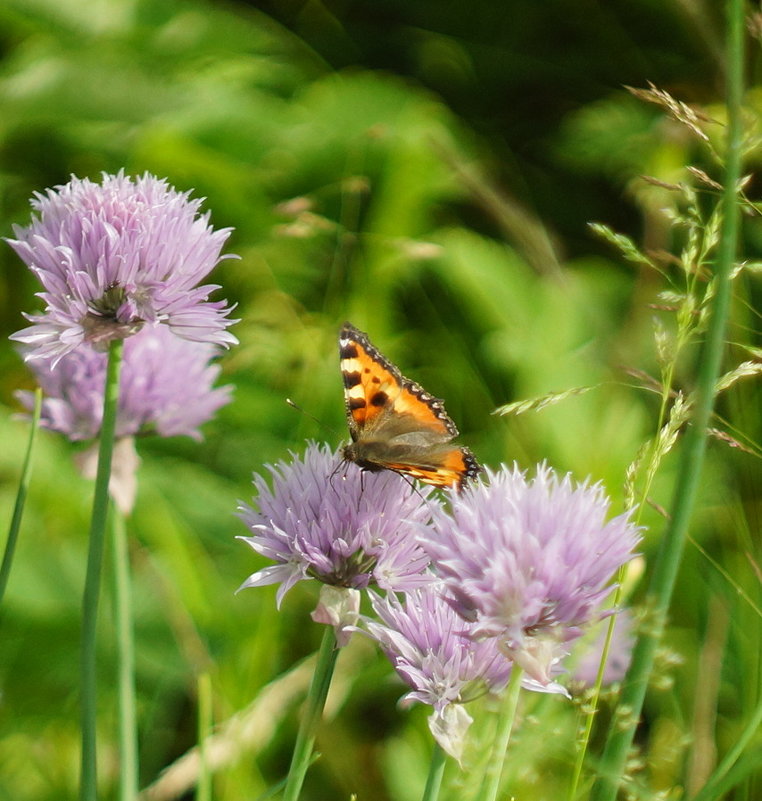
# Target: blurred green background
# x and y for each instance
(428, 171)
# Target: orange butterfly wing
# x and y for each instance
(457, 465)
(394, 423)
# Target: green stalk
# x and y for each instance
(436, 770)
(125, 649)
(88, 787)
(18, 509)
(205, 718)
(305, 739)
(494, 771)
(671, 548)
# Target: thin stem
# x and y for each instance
(436, 770)
(593, 710)
(712, 789)
(305, 739)
(205, 714)
(89, 698)
(18, 509)
(671, 549)
(504, 729)
(125, 646)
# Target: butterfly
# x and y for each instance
(394, 423)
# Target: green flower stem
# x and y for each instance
(205, 720)
(504, 728)
(125, 648)
(436, 770)
(18, 509)
(89, 779)
(671, 548)
(305, 739)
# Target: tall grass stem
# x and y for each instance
(205, 719)
(714, 788)
(18, 509)
(305, 739)
(579, 761)
(88, 686)
(692, 456)
(129, 768)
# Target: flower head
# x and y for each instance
(430, 646)
(115, 256)
(166, 388)
(431, 649)
(529, 561)
(349, 529)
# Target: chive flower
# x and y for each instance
(166, 388)
(529, 561)
(430, 647)
(327, 520)
(116, 256)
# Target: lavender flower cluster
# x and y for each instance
(510, 572)
(506, 574)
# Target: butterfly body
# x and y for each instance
(394, 423)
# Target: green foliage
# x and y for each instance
(358, 194)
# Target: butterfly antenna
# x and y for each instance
(311, 416)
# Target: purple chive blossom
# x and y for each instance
(429, 645)
(337, 524)
(166, 388)
(115, 256)
(529, 561)
(430, 648)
